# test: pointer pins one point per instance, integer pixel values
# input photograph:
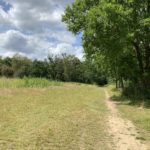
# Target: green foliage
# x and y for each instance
(59, 68)
(6, 71)
(39, 69)
(94, 73)
(118, 31)
(21, 66)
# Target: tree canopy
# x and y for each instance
(118, 31)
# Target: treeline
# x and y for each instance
(67, 68)
(117, 35)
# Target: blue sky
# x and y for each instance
(5, 6)
(33, 28)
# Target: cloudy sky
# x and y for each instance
(33, 28)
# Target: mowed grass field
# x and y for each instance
(59, 116)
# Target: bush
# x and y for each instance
(7, 71)
(101, 81)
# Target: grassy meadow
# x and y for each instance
(36, 114)
(27, 82)
(138, 111)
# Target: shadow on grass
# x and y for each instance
(132, 101)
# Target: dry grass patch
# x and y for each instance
(67, 117)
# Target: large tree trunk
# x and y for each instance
(140, 63)
(143, 59)
(147, 65)
(147, 57)
(121, 83)
(116, 80)
(139, 57)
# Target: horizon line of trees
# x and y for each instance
(67, 68)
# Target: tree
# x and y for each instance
(6, 67)
(21, 66)
(7, 71)
(117, 30)
(72, 68)
(39, 69)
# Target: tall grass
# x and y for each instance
(27, 82)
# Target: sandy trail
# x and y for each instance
(123, 131)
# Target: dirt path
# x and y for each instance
(123, 131)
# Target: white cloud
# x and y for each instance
(36, 15)
(34, 28)
(17, 42)
(29, 45)
(68, 49)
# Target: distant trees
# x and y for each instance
(21, 66)
(67, 68)
(118, 31)
(39, 69)
(6, 67)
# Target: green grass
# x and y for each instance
(27, 82)
(135, 110)
(67, 117)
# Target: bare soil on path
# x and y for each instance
(123, 132)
